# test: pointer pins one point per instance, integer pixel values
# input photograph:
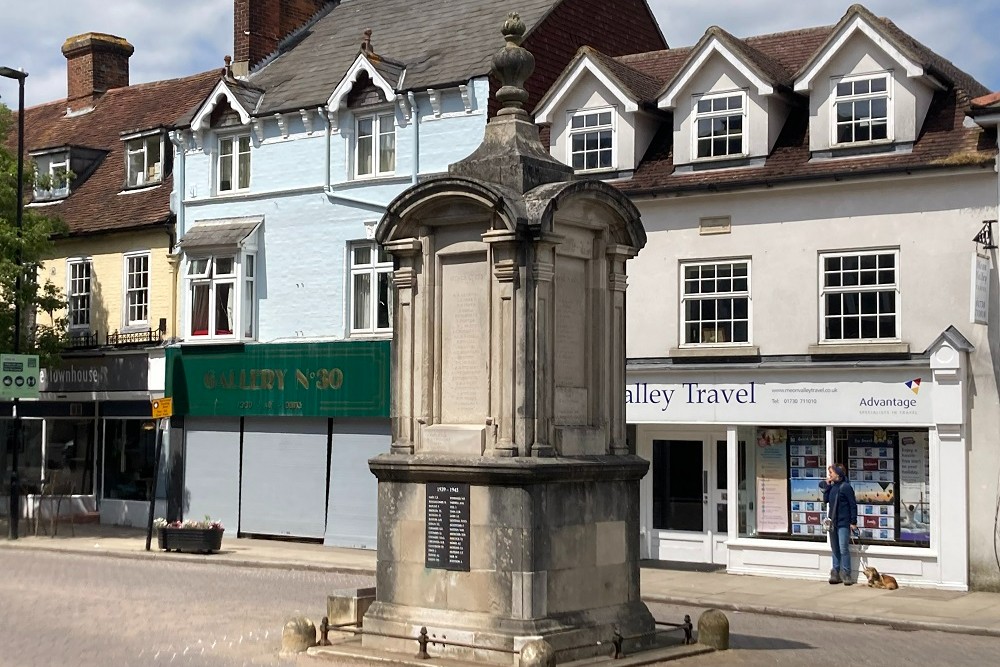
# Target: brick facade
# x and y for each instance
(259, 25)
(613, 28)
(95, 63)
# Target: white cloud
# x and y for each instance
(171, 38)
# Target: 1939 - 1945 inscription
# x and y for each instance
(447, 520)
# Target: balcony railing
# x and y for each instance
(82, 340)
(127, 338)
(85, 340)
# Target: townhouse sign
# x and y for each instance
(118, 372)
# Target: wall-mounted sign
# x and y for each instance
(161, 408)
(980, 306)
(447, 527)
(793, 397)
(338, 379)
(113, 372)
(19, 376)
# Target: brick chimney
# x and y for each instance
(258, 26)
(95, 63)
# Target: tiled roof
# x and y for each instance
(225, 232)
(641, 86)
(97, 203)
(440, 41)
(944, 140)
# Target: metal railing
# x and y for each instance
(424, 640)
(82, 340)
(125, 338)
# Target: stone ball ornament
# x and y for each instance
(538, 653)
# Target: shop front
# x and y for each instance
(737, 455)
(88, 440)
(277, 437)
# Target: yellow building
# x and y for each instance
(104, 163)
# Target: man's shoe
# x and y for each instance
(847, 580)
(834, 577)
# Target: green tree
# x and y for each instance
(42, 332)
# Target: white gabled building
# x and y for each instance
(810, 292)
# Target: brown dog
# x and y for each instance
(876, 580)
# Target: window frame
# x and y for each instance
(835, 99)
(685, 298)
(374, 115)
(373, 269)
(72, 296)
(697, 116)
(611, 126)
(143, 179)
(234, 158)
(242, 287)
(52, 162)
(127, 322)
(859, 289)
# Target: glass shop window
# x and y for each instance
(129, 458)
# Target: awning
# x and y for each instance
(221, 232)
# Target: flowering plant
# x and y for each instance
(206, 524)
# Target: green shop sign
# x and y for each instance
(342, 379)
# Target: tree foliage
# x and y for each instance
(42, 331)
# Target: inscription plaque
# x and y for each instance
(447, 522)
(465, 318)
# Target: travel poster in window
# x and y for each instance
(871, 464)
(914, 488)
(806, 468)
(772, 480)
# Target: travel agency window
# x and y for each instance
(781, 468)
(859, 296)
(591, 140)
(371, 289)
(715, 302)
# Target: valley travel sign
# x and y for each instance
(896, 396)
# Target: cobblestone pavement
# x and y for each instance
(88, 611)
(757, 640)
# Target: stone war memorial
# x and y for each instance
(508, 507)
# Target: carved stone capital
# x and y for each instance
(506, 271)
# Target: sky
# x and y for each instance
(174, 38)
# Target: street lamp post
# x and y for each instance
(15, 505)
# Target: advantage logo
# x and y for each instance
(913, 385)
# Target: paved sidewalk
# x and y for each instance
(907, 608)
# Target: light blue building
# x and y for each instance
(280, 379)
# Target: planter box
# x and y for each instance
(193, 540)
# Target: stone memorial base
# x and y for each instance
(552, 553)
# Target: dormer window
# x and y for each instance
(719, 122)
(52, 176)
(234, 163)
(376, 144)
(591, 144)
(862, 110)
(143, 161)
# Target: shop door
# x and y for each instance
(688, 517)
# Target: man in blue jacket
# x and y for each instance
(842, 511)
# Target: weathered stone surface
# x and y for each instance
(298, 634)
(348, 606)
(713, 630)
(538, 653)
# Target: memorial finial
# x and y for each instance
(512, 65)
